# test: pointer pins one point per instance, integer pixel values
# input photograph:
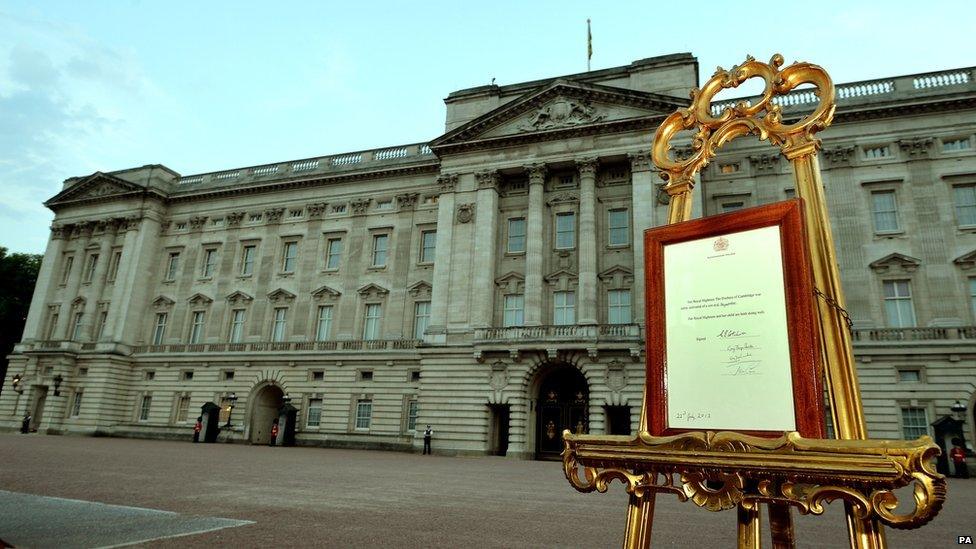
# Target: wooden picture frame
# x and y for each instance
(734, 321)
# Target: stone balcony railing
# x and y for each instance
(881, 335)
(280, 346)
(601, 332)
(870, 91)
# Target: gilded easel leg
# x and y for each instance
(865, 534)
(640, 520)
(749, 525)
(781, 526)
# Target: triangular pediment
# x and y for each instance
(326, 292)
(422, 288)
(372, 290)
(966, 261)
(895, 262)
(239, 297)
(559, 275)
(280, 294)
(505, 278)
(617, 276)
(199, 299)
(557, 106)
(95, 186)
(162, 302)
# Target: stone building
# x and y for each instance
(488, 282)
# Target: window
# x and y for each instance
(209, 262)
(314, 415)
(415, 375)
(237, 326)
(181, 226)
(909, 376)
(951, 145)
(288, 256)
(68, 262)
(421, 318)
(254, 218)
(280, 321)
(619, 227)
(564, 308)
(339, 208)
(172, 265)
(76, 329)
(318, 375)
(76, 404)
(333, 254)
(514, 310)
(182, 408)
(885, 211)
(53, 325)
(247, 259)
(159, 329)
(217, 222)
(366, 375)
(150, 375)
(144, 408)
(295, 213)
(380, 243)
(516, 235)
(324, 325)
(196, 327)
(186, 375)
(113, 267)
(972, 297)
(898, 304)
(565, 230)
(618, 307)
(731, 167)
(732, 206)
(412, 409)
(384, 205)
(877, 152)
(914, 422)
(228, 375)
(965, 204)
(100, 325)
(428, 246)
(790, 193)
(364, 413)
(82, 372)
(90, 267)
(371, 325)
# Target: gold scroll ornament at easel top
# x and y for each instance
(763, 117)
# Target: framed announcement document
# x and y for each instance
(730, 312)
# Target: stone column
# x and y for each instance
(120, 289)
(535, 241)
(98, 280)
(485, 243)
(440, 293)
(66, 320)
(46, 280)
(587, 242)
(643, 205)
(140, 277)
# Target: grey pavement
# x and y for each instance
(313, 497)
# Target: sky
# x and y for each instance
(206, 86)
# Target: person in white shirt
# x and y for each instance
(428, 432)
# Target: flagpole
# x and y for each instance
(589, 44)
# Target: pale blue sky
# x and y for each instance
(203, 86)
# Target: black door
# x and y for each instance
(562, 404)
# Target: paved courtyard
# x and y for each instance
(173, 494)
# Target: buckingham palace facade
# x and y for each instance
(488, 282)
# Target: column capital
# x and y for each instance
(640, 161)
(916, 147)
(447, 182)
(234, 218)
(60, 232)
(407, 200)
(839, 155)
(587, 165)
(537, 173)
(488, 179)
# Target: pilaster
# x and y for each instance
(34, 327)
(83, 230)
(534, 243)
(486, 235)
(98, 279)
(587, 242)
(643, 204)
(437, 329)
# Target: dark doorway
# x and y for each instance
(210, 417)
(561, 404)
(38, 414)
(498, 429)
(264, 410)
(618, 420)
(287, 417)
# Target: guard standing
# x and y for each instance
(25, 425)
(958, 455)
(274, 432)
(428, 432)
(197, 428)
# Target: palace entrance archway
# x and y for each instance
(561, 403)
(264, 410)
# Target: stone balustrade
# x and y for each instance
(602, 332)
(870, 335)
(279, 346)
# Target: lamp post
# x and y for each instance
(959, 411)
(286, 399)
(17, 383)
(232, 398)
(57, 384)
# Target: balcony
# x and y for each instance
(882, 335)
(570, 333)
(280, 346)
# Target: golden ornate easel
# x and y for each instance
(725, 470)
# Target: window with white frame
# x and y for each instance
(172, 265)
(514, 310)
(421, 318)
(881, 151)
(516, 235)
(196, 326)
(618, 224)
(52, 324)
(965, 196)
(909, 375)
(76, 328)
(182, 408)
(237, 325)
(413, 408)
(333, 254)
(323, 326)
(209, 262)
(953, 145)
(381, 244)
(914, 422)
(144, 407)
(76, 403)
(885, 211)
(289, 256)
(159, 329)
(314, 415)
(371, 321)
(90, 267)
(100, 324)
(564, 308)
(618, 307)
(279, 324)
(113, 266)
(565, 230)
(247, 259)
(66, 272)
(364, 413)
(899, 310)
(428, 246)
